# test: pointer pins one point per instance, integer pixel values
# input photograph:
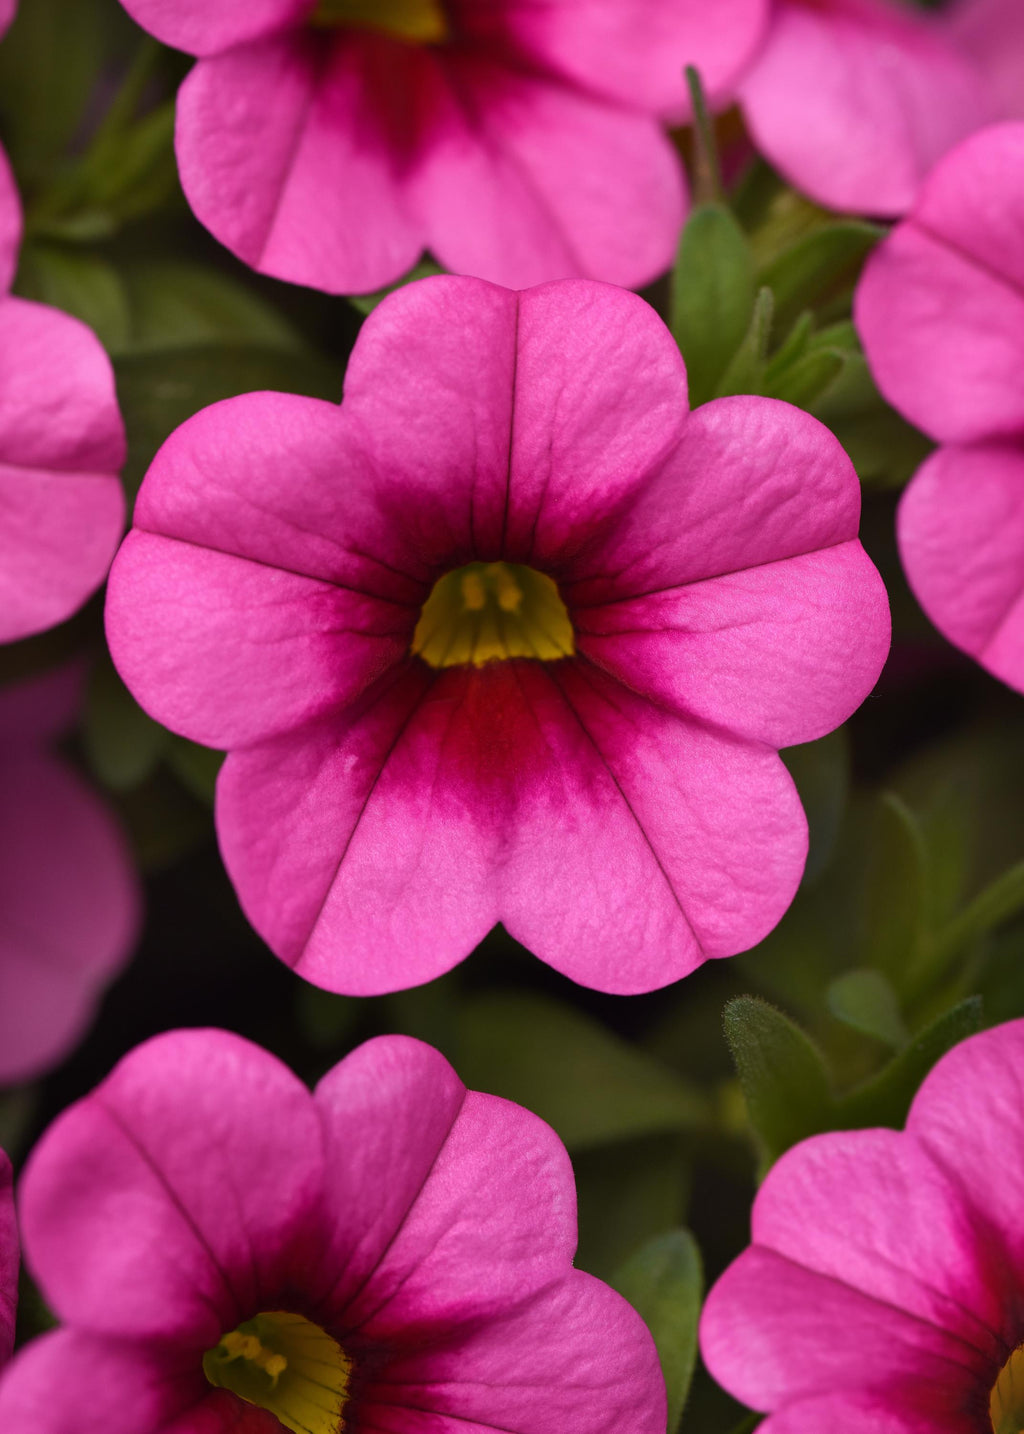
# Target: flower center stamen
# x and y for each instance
(418, 20)
(1006, 1404)
(487, 612)
(286, 1365)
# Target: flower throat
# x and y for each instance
(421, 21)
(487, 612)
(287, 1365)
(1006, 1405)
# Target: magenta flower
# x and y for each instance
(69, 897)
(992, 33)
(882, 1289)
(392, 1253)
(507, 637)
(9, 1260)
(61, 449)
(331, 143)
(941, 314)
(854, 100)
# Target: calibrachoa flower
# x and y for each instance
(854, 100)
(392, 1253)
(992, 33)
(941, 314)
(61, 449)
(8, 1262)
(69, 897)
(331, 143)
(507, 637)
(881, 1294)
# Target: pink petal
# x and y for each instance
(992, 33)
(480, 1200)
(854, 101)
(969, 1115)
(632, 50)
(774, 1332)
(961, 536)
(70, 904)
(10, 207)
(61, 443)
(67, 1382)
(287, 155)
(9, 1261)
(7, 13)
(203, 27)
(42, 708)
(781, 653)
(940, 307)
(574, 1357)
(885, 1413)
(176, 1198)
(519, 178)
(375, 856)
(752, 482)
(870, 1208)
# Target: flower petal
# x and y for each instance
(70, 903)
(855, 101)
(377, 855)
(781, 653)
(992, 33)
(969, 1115)
(286, 154)
(961, 536)
(575, 1356)
(203, 27)
(198, 1160)
(887, 1413)
(520, 178)
(40, 709)
(940, 307)
(773, 1331)
(66, 1382)
(752, 481)
(9, 1261)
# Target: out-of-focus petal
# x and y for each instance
(69, 909)
(179, 1195)
(915, 1411)
(9, 1261)
(940, 307)
(854, 101)
(203, 27)
(992, 33)
(961, 536)
(41, 708)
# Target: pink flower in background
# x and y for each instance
(992, 33)
(9, 1261)
(882, 1289)
(854, 100)
(69, 897)
(61, 449)
(940, 310)
(508, 637)
(331, 143)
(391, 1253)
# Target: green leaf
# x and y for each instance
(713, 296)
(821, 771)
(1001, 900)
(896, 896)
(804, 381)
(745, 373)
(664, 1282)
(585, 1081)
(866, 1001)
(707, 176)
(80, 283)
(366, 303)
(628, 1192)
(183, 305)
(884, 449)
(886, 1098)
(818, 267)
(122, 744)
(782, 1072)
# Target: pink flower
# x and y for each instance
(69, 898)
(9, 1259)
(941, 314)
(854, 100)
(392, 1253)
(882, 1289)
(507, 637)
(331, 143)
(61, 449)
(992, 33)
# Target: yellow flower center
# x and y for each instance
(419, 20)
(286, 1365)
(489, 611)
(1006, 1404)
